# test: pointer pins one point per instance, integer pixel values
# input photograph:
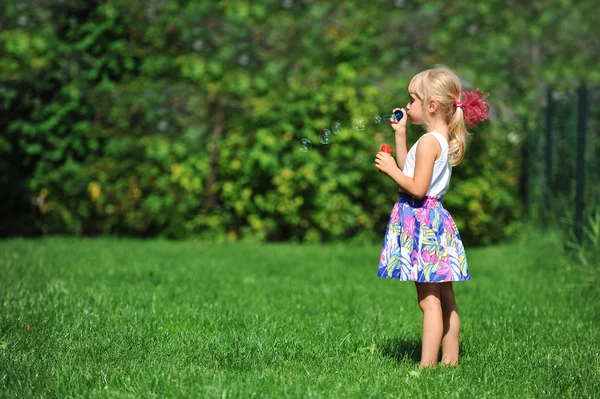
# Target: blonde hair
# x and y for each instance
(443, 85)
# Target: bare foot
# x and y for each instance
(449, 363)
(427, 365)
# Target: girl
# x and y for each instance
(422, 243)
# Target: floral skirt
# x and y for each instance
(422, 243)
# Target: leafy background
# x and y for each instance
(180, 119)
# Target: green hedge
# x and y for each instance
(181, 119)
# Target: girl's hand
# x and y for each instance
(385, 163)
(399, 126)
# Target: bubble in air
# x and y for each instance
(336, 127)
(243, 60)
(163, 126)
(304, 144)
(325, 136)
(358, 124)
(377, 119)
(198, 45)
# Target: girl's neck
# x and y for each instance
(439, 127)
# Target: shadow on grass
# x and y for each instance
(401, 349)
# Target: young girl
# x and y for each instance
(422, 243)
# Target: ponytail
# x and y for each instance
(443, 84)
(471, 111)
(458, 137)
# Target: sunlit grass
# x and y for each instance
(115, 318)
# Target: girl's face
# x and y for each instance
(414, 109)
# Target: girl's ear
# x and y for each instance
(432, 105)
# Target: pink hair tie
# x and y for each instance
(458, 104)
(475, 109)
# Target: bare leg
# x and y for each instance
(433, 324)
(451, 338)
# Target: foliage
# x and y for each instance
(181, 119)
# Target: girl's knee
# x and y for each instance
(430, 303)
(428, 295)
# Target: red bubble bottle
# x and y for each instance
(386, 148)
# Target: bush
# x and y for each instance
(182, 120)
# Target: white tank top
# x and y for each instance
(442, 169)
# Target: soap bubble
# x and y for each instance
(198, 45)
(304, 144)
(243, 59)
(358, 124)
(163, 126)
(336, 127)
(325, 136)
(377, 119)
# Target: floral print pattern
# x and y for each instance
(422, 243)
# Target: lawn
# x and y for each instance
(120, 318)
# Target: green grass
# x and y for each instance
(91, 318)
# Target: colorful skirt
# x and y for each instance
(422, 243)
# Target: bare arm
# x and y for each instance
(428, 150)
(401, 149)
(400, 133)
